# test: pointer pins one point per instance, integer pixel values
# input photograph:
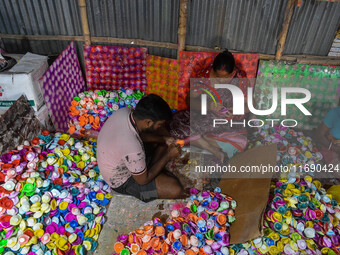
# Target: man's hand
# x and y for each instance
(173, 151)
(228, 114)
(169, 140)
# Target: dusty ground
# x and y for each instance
(126, 213)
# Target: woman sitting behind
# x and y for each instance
(222, 141)
(327, 136)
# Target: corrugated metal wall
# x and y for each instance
(313, 29)
(244, 25)
(151, 20)
(250, 26)
(39, 17)
(335, 49)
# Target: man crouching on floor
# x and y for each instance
(131, 156)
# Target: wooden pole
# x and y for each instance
(134, 42)
(43, 37)
(93, 39)
(306, 59)
(283, 34)
(182, 25)
(84, 22)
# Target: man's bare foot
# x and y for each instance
(219, 155)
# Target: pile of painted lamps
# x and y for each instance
(301, 219)
(90, 109)
(294, 148)
(52, 197)
(202, 227)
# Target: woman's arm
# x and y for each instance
(193, 103)
(320, 135)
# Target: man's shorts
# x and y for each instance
(147, 192)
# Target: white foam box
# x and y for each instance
(43, 116)
(23, 79)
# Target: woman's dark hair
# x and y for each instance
(224, 61)
(152, 107)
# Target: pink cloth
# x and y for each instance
(120, 150)
(237, 139)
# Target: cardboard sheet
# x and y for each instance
(162, 78)
(115, 67)
(62, 81)
(251, 193)
(321, 81)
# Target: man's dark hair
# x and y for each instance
(224, 61)
(152, 107)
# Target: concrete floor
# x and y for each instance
(125, 214)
